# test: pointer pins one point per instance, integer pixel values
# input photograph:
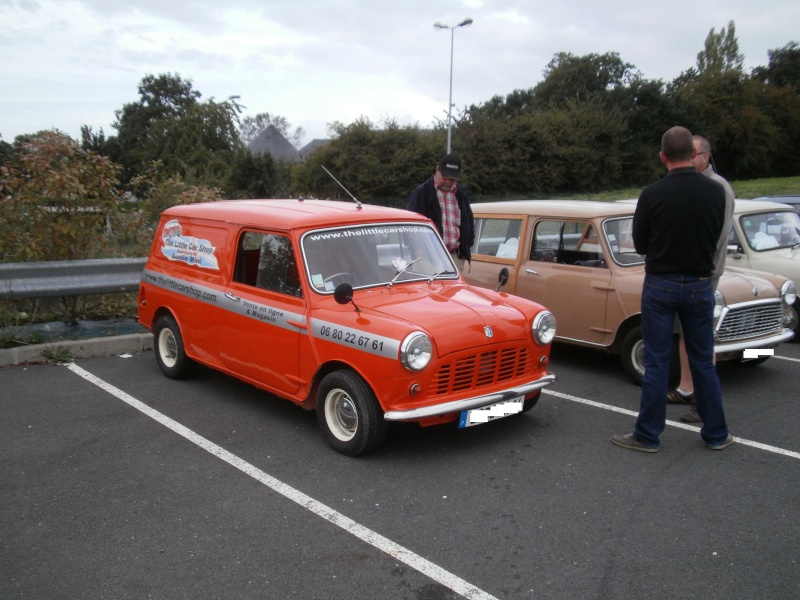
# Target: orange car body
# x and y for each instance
(253, 288)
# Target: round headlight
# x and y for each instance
(416, 351)
(719, 304)
(544, 328)
(788, 292)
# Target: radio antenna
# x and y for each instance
(341, 186)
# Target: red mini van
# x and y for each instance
(353, 310)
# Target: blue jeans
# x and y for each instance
(692, 299)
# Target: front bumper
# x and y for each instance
(469, 403)
(770, 342)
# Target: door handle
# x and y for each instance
(232, 297)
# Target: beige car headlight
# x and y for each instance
(719, 304)
(788, 293)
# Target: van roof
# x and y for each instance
(291, 213)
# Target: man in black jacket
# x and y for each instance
(444, 201)
(677, 224)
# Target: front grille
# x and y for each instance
(471, 371)
(751, 320)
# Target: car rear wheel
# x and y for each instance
(348, 414)
(170, 353)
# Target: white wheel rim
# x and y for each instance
(167, 348)
(341, 415)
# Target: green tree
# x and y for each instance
(193, 140)
(568, 77)
(721, 53)
(252, 175)
(56, 201)
(374, 164)
(783, 68)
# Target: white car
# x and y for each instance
(765, 236)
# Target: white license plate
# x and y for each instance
(478, 416)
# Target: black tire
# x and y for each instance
(348, 414)
(754, 362)
(531, 402)
(170, 353)
(796, 310)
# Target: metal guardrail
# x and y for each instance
(70, 277)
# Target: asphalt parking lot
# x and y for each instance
(119, 483)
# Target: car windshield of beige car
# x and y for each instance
(375, 255)
(619, 237)
(769, 230)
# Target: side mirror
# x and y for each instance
(343, 294)
(502, 279)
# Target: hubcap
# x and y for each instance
(341, 415)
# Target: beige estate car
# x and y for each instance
(577, 258)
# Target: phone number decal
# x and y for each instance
(355, 338)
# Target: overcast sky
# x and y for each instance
(68, 63)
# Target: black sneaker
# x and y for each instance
(721, 445)
(631, 443)
(675, 397)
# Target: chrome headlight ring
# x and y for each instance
(544, 328)
(788, 293)
(416, 351)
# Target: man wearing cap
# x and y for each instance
(444, 201)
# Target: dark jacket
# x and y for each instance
(678, 222)
(425, 201)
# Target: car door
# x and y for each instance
(262, 339)
(565, 269)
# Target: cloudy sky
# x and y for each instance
(68, 63)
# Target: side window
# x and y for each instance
(266, 261)
(497, 237)
(546, 241)
(567, 242)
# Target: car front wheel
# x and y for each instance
(633, 355)
(348, 414)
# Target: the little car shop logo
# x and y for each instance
(488, 331)
(187, 249)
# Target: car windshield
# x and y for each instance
(619, 236)
(770, 230)
(373, 255)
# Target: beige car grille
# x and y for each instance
(751, 321)
(471, 371)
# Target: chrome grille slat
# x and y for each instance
(474, 371)
(751, 321)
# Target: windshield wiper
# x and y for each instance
(400, 266)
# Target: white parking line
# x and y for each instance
(797, 360)
(383, 544)
(675, 424)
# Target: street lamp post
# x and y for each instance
(452, 29)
